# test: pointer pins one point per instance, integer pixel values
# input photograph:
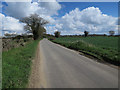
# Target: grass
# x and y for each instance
(16, 65)
(101, 47)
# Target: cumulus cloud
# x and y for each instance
(18, 10)
(23, 9)
(11, 24)
(75, 22)
(51, 7)
(90, 19)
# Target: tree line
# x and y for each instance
(35, 25)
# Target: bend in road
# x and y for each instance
(64, 68)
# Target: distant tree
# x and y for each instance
(57, 34)
(104, 35)
(35, 25)
(7, 35)
(86, 33)
(10, 35)
(111, 33)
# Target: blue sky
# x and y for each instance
(66, 17)
(109, 8)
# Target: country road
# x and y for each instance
(64, 68)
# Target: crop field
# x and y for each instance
(102, 47)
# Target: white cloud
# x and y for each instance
(20, 9)
(51, 7)
(51, 29)
(90, 19)
(23, 9)
(17, 10)
(48, 18)
(11, 24)
(74, 22)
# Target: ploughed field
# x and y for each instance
(101, 47)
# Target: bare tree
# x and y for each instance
(57, 34)
(111, 33)
(35, 25)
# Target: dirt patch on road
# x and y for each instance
(36, 79)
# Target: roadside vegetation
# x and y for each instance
(14, 42)
(57, 34)
(101, 47)
(19, 51)
(16, 65)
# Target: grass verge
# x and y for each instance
(16, 65)
(103, 54)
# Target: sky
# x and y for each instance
(70, 18)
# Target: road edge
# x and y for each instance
(88, 56)
(34, 73)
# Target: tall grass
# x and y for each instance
(16, 65)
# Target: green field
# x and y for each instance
(16, 65)
(101, 47)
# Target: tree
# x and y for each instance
(57, 34)
(9, 35)
(35, 25)
(86, 33)
(111, 33)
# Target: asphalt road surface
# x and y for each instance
(65, 68)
